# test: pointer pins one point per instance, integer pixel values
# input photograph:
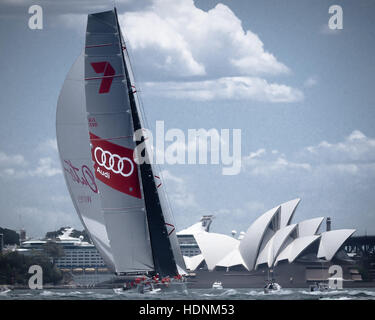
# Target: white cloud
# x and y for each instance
(257, 153)
(356, 148)
(186, 40)
(12, 165)
(16, 167)
(233, 88)
(46, 168)
(12, 160)
(264, 163)
(48, 145)
(354, 155)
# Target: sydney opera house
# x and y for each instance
(296, 253)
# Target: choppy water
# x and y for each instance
(191, 294)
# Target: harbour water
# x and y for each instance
(197, 294)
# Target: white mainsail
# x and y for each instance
(111, 136)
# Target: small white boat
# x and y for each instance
(321, 286)
(217, 285)
(272, 287)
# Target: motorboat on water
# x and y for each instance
(272, 286)
(217, 285)
(319, 286)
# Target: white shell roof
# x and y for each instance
(193, 262)
(233, 258)
(194, 229)
(250, 244)
(268, 240)
(272, 248)
(215, 246)
(287, 212)
(309, 227)
(331, 241)
(294, 249)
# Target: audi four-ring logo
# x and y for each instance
(102, 161)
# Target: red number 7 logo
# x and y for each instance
(108, 73)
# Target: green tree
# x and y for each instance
(14, 268)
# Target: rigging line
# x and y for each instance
(128, 52)
(169, 206)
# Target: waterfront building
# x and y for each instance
(76, 252)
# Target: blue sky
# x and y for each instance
(302, 95)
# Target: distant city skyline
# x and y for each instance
(301, 94)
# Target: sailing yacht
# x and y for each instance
(120, 202)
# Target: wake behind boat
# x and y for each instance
(121, 202)
(4, 290)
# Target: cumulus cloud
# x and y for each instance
(356, 148)
(233, 88)
(17, 167)
(174, 40)
(13, 160)
(12, 165)
(46, 168)
(190, 41)
(262, 162)
(354, 155)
